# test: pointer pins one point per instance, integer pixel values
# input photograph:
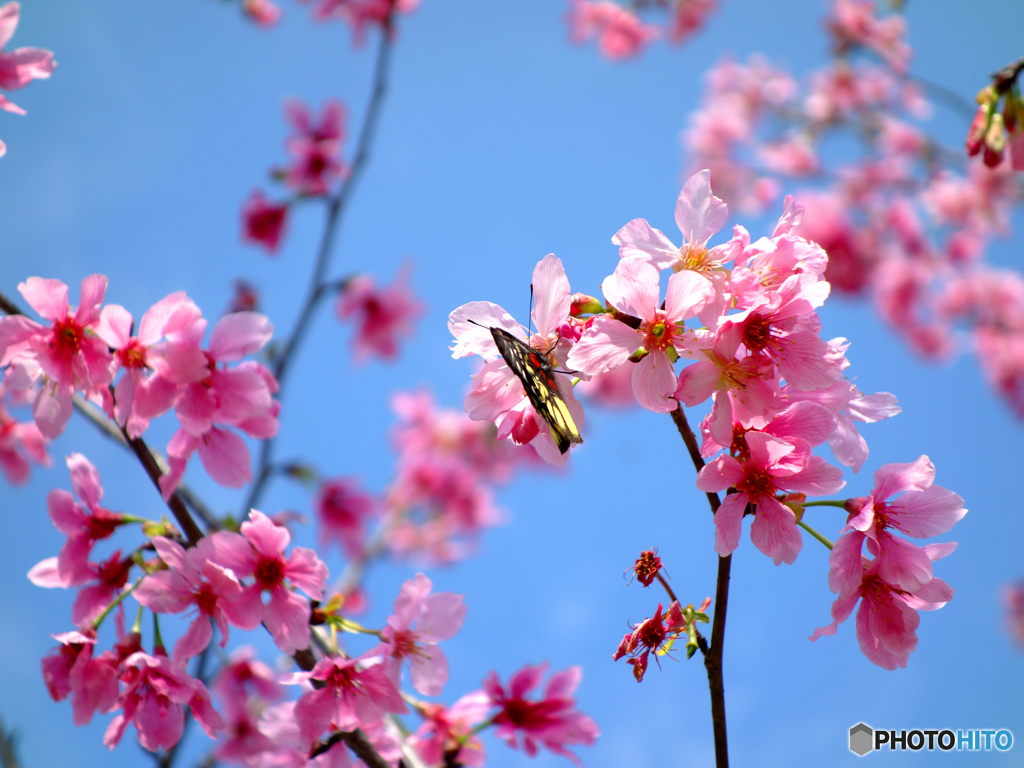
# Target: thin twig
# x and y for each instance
(356, 741)
(318, 286)
(713, 654)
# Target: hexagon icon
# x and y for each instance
(861, 739)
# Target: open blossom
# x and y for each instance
(194, 579)
(497, 394)
(155, 693)
(445, 730)
(71, 669)
(21, 66)
(263, 221)
(620, 33)
(608, 343)
(921, 510)
(68, 355)
(343, 510)
(359, 14)
(553, 721)
(437, 617)
(315, 147)
(887, 619)
(650, 635)
(354, 692)
(774, 465)
(382, 315)
(259, 552)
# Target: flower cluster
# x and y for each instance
(901, 225)
(21, 66)
(382, 316)
(622, 34)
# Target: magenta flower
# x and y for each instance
(259, 552)
(445, 731)
(263, 222)
(136, 398)
(437, 617)
(554, 721)
(608, 343)
(354, 692)
(362, 13)
(315, 147)
(774, 465)
(21, 66)
(69, 353)
(194, 579)
(156, 690)
(382, 316)
(887, 619)
(20, 442)
(71, 669)
(651, 635)
(343, 509)
(922, 510)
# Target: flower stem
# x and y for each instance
(841, 503)
(113, 604)
(814, 533)
(671, 594)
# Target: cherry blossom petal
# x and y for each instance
(47, 296)
(429, 672)
(699, 213)
(639, 240)
(774, 531)
(605, 345)
(654, 383)
(226, 458)
(729, 523)
(287, 618)
(633, 288)
(551, 295)
(240, 334)
(195, 639)
(892, 479)
(470, 324)
(697, 382)
(929, 513)
(307, 572)
(687, 294)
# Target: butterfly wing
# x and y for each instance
(540, 385)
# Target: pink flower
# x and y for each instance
(263, 222)
(136, 398)
(887, 619)
(83, 526)
(314, 148)
(155, 693)
(21, 66)
(553, 721)
(354, 692)
(854, 23)
(194, 579)
(263, 12)
(620, 33)
(437, 617)
(608, 343)
(445, 731)
(362, 13)
(71, 668)
(922, 510)
(381, 316)
(688, 16)
(343, 509)
(69, 353)
(651, 635)
(774, 465)
(497, 394)
(259, 552)
(20, 442)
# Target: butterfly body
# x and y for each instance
(537, 376)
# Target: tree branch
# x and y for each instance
(356, 741)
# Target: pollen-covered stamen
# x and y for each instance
(646, 567)
(879, 592)
(659, 334)
(652, 633)
(757, 333)
(739, 447)
(269, 572)
(404, 645)
(694, 258)
(133, 356)
(757, 485)
(343, 679)
(67, 338)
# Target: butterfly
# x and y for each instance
(538, 379)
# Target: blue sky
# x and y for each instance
(500, 142)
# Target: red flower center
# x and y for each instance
(757, 484)
(206, 599)
(67, 338)
(269, 572)
(132, 356)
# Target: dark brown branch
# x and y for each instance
(318, 285)
(356, 741)
(1007, 76)
(713, 652)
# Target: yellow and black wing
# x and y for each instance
(538, 379)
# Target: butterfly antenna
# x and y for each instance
(529, 318)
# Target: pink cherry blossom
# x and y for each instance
(69, 354)
(608, 342)
(382, 316)
(774, 465)
(71, 669)
(854, 23)
(263, 221)
(343, 510)
(315, 147)
(887, 619)
(259, 552)
(651, 635)
(20, 443)
(359, 14)
(21, 66)
(354, 692)
(619, 32)
(263, 12)
(437, 617)
(922, 510)
(194, 579)
(446, 730)
(553, 721)
(155, 692)
(497, 394)
(688, 16)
